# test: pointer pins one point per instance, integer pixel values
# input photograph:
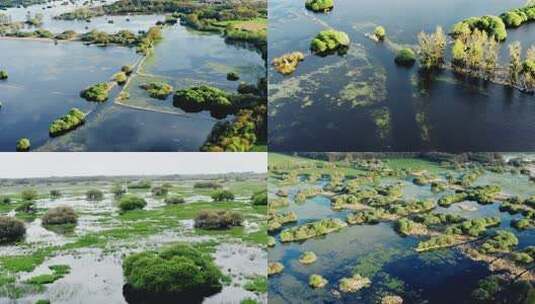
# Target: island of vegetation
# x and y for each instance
(69, 122)
(98, 92)
(330, 41)
(319, 5)
(287, 63)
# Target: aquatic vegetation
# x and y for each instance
(174, 200)
(437, 242)
(405, 57)
(287, 63)
(218, 219)
(94, 195)
(277, 220)
(59, 216)
(271, 241)
(58, 272)
(222, 196)
(23, 145)
(66, 35)
(522, 224)
(3, 75)
(438, 219)
(392, 300)
(407, 227)
(159, 191)
(54, 194)
(492, 25)
(354, 283)
(159, 90)
(311, 230)
(275, 268)
(372, 216)
(98, 92)
(279, 202)
(302, 195)
(180, 269)
(379, 33)
(66, 123)
(502, 241)
(141, 184)
(131, 202)
(475, 227)
(329, 41)
(432, 48)
(319, 5)
(11, 229)
(207, 185)
(258, 284)
(308, 257)
(517, 17)
(524, 257)
(317, 281)
(120, 78)
(483, 194)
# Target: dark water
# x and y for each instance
(45, 81)
(427, 112)
(389, 260)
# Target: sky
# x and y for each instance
(27, 165)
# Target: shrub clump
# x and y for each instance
(223, 195)
(492, 25)
(11, 229)
(180, 269)
(131, 202)
(260, 198)
(94, 195)
(159, 191)
(159, 90)
(218, 219)
(23, 145)
(98, 92)
(66, 123)
(308, 257)
(329, 41)
(275, 268)
(319, 5)
(516, 17)
(287, 63)
(174, 200)
(3, 75)
(59, 216)
(379, 33)
(354, 283)
(120, 78)
(405, 57)
(201, 98)
(503, 241)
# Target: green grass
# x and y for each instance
(24, 263)
(414, 164)
(258, 284)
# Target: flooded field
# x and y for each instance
(362, 100)
(94, 250)
(381, 251)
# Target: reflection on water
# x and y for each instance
(446, 113)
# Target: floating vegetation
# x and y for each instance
(382, 120)
(354, 283)
(287, 63)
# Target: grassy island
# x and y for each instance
(330, 41)
(159, 90)
(66, 123)
(98, 92)
(23, 145)
(317, 281)
(287, 63)
(312, 230)
(319, 5)
(492, 25)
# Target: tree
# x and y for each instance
(223, 195)
(432, 47)
(515, 62)
(29, 194)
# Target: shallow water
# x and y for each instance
(389, 260)
(445, 114)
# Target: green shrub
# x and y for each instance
(516, 17)
(23, 145)
(330, 41)
(180, 269)
(98, 92)
(11, 229)
(131, 202)
(26, 207)
(127, 69)
(379, 33)
(218, 219)
(405, 57)
(29, 194)
(71, 121)
(159, 90)
(59, 216)
(55, 194)
(222, 195)
(319, 5)
(66, 35)
(94, 195)
(502, 241)
(174, 200)
(3, 74)
(260, 198)
(159, 191)
(120, 78)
